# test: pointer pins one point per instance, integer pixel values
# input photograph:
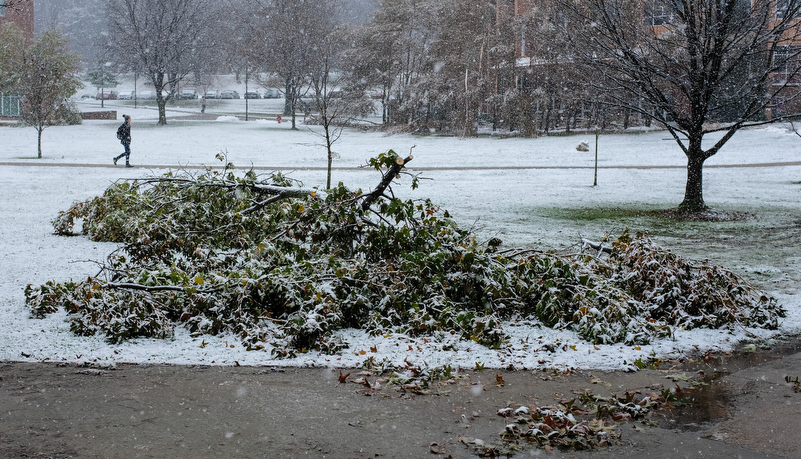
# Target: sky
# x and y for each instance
(501, 187)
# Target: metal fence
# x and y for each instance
(10, 105)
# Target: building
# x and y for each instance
(19, 12)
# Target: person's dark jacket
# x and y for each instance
(125, 130)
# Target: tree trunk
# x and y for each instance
(330, 162)
(329, 141)
(294, 106)
(40, 142)
(694, 191)
(289, 94)
(162, 103)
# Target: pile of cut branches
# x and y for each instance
(284, 267)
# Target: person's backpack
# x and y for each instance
(121, 131)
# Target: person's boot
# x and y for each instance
(127, 164)
(115, 160)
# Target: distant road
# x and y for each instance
(434, 168)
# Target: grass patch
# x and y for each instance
(713, 226)
(590, 214)
(622, 214)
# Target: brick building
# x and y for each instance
(19, 12)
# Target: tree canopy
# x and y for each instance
(695, 66)
(164, 39)
(44, 73)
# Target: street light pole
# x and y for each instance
(595, 179)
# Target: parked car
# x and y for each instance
(125, 95)
(229, 94)
(212, 94)
(252, 95)
(146, 95)
(272, 93)
(107, 94)
(87, 96)
(188, 93)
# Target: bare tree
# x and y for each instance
(389, 57)
(695, 66)
(335, 103)
(78, 21)
(164, 39)
(466, 51)
(436, 63)
(44, 73)
(282, 47)
(289, 33)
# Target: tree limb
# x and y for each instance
(154, 288)
(389, 176)
(599, 246)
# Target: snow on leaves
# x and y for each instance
(284, 267)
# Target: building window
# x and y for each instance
(783, 5)
(786, 65)
(657, 14)
(662, 12)
(781, 57)
(10, 105)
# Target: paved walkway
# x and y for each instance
(436, 168)
(746, 409)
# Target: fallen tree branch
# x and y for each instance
(599, 246)
(155, 288)
(389, 176)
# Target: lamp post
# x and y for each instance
(595, 179)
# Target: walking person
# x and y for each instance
(124, 134)
(203, 104)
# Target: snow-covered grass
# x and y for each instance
(528, 192)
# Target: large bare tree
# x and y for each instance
(335, 101)
(696, 66)
(287, 36)
(164, 39)
(389, 55)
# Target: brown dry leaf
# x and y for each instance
(499, 380)
(343, 378)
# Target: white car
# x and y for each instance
(188, 94)
(272, 93)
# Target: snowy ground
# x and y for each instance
(515, 189)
